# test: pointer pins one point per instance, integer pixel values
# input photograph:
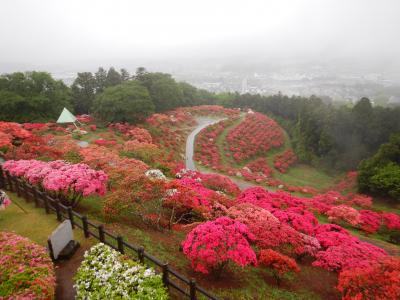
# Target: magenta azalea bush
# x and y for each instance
(69, 182)
(26, 270)
(212, 245)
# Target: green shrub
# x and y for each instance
(107, 274)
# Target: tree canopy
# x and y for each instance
(32, 97)
(381, 172)
(126, 102)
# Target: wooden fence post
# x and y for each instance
(35, 196)
(141, 254)
(165, 272)
(101, 234)
(85, 226)
(2, 179)
(10, 183)
(58, 210)
(120, 244)
(17, 188)
(193, 289)
(71, 216)
(46, 204)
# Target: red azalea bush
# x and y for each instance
(361, 200)
(391, 221)
(260, 165)
(26, 270)
(341, 251)
(256, 134)
(207, 151)
(213, 244)
(344, 213)
(370, 221)
(300, 219)
(268, 231)
(190, 200)
(378, 280)
(279, 263)
(284, 160)
(105, 143)
(220, 183)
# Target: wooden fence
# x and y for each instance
(171, 278)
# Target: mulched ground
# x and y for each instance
(65, 271)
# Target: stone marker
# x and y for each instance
(61, 242)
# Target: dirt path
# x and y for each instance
(65, 271)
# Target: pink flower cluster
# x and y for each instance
(60, 176)
(211, 245)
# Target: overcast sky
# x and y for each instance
(62, 33)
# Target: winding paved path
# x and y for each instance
(204, 122)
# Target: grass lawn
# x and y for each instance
(34, 224)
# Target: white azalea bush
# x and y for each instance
(155, 174)
(107, 274)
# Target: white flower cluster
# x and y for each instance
(106, 274)
(155, 174)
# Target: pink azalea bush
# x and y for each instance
(70, 182)
(26, 270)
(344, 213)
(213, 244)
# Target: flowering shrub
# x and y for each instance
(206, 150)
(106, 274)
(4, 200)
(220, 183)
(370, 221)
(260, 165)
(213, 244)
(105, 143)
(256, 134)
(279, 263)
(344, 213)
(26, 270)
(284, 160)
(378, 280)
(268, 231)
(391, 221)
(139, 196)
(70, 182)
(361, 200)
(341, 251)
(299, 219)
(155, 174)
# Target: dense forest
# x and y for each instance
(322, 133)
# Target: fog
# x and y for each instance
(74, 35)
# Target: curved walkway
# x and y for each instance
(204, 122)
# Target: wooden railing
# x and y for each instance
(171, 278)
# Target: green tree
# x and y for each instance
(32, 97)
(126, 102)
(101, 80)
(124, 74)
(83, 92)
(164, 90)
(378, 173)
(113, 77)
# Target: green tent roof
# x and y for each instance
(66, 117)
